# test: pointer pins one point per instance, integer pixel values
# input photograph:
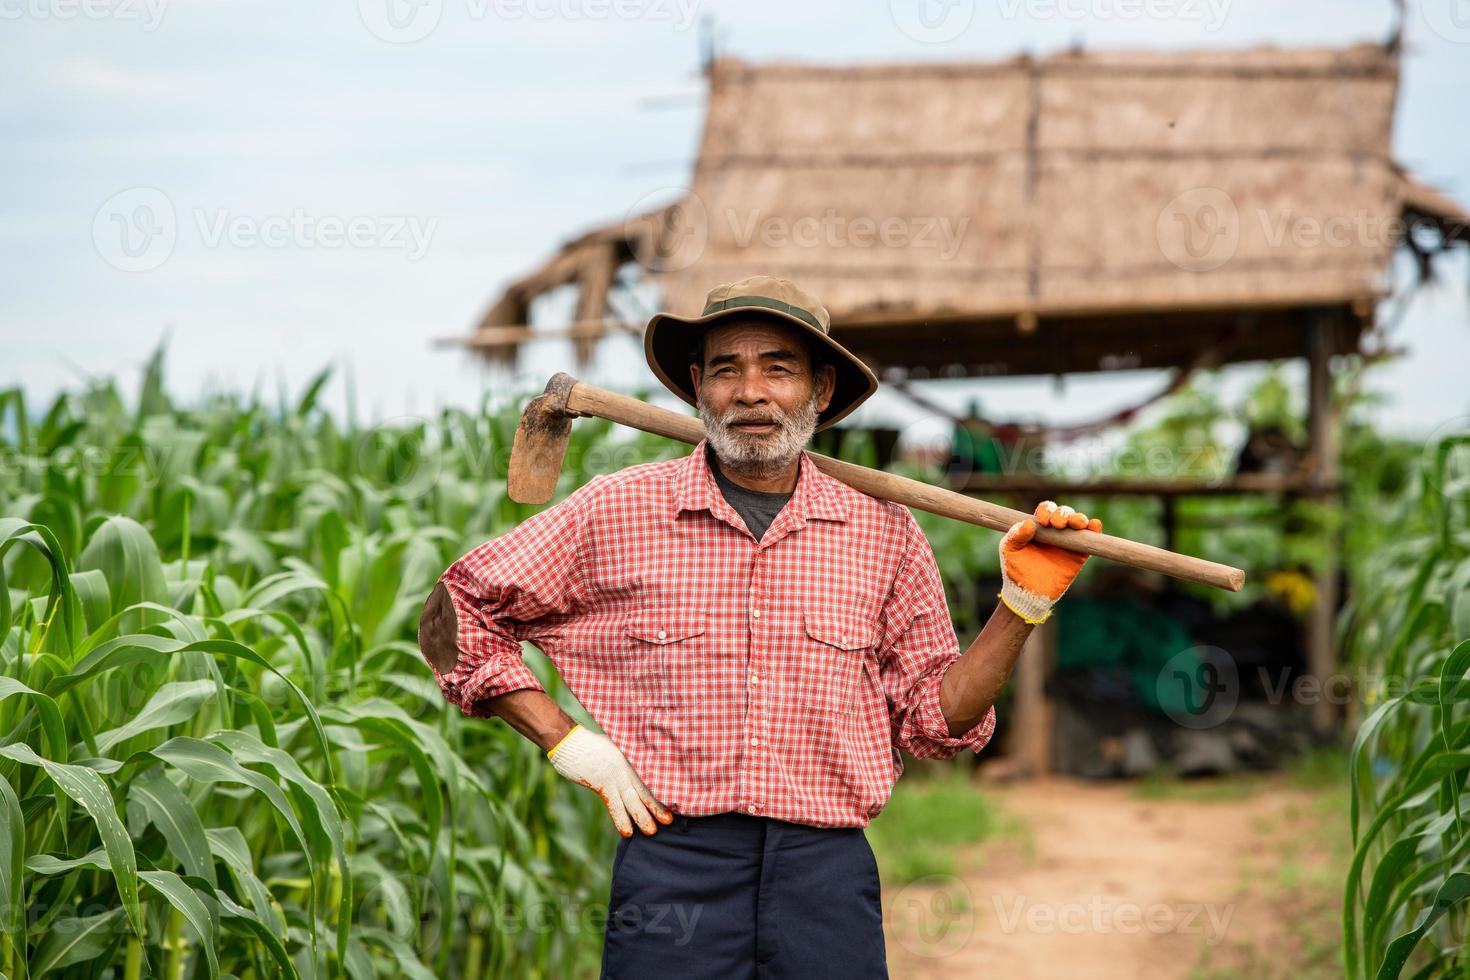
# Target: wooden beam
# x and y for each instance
(1033, 713)
(981, 484)
(1324, 478)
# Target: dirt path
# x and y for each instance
(1104, 882)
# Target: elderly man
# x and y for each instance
(756, 639)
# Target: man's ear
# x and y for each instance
(826, 385)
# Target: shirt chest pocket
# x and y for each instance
(668, 647)
(830, 655)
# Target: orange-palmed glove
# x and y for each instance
(1034, 575)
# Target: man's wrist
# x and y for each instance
(534, 714)
(551, 752)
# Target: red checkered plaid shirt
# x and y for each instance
(776, 678)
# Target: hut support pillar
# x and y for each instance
(1034, 713)
(1322, 425)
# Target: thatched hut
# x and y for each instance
(1074, 213)
(1079, 212)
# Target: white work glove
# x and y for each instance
(595, 762)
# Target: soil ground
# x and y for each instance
(1143, 880)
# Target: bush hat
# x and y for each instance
(668, 338)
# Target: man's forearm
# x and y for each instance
(533, 714)
(973, 682)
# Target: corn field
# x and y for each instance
(1408, 630)
(223, 753)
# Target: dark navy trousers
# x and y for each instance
(734, 897)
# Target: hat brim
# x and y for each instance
(666, 343)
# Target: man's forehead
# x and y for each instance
(762, 337)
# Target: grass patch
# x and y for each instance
(1318, 769)
(1164, 785)
(928, 819)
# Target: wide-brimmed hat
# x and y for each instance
(668, 338)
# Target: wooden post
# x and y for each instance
(1035, 714)
(1170, 518)
(1322, 425)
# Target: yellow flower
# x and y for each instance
(1294, 589)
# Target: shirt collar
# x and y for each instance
(816, 495)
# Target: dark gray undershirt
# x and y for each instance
(756, 508)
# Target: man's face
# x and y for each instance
(757, 393)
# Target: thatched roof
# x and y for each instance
(1119, 200)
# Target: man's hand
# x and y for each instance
(595, 762)
(1034, 575)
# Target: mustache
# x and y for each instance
(779, 419)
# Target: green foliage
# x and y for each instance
(223, 753)
(1404, 900)
(921, 828)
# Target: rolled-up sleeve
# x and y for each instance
(918, 646)
(497, 593)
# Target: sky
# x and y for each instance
(275, 187)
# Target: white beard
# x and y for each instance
(759, 456)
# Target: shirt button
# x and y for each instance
(751, 808)
(755, 678)
(844, 639)
(754, 740)
(662, 634)
(756, 613)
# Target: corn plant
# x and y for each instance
(223, 753)
(1404, 899)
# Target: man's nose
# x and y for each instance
(752, 388)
